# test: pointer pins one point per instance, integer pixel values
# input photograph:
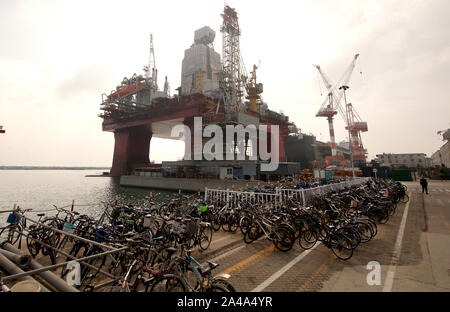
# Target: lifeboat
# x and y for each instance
(124, 91)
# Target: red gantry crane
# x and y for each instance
(356, 126)
(331, 106)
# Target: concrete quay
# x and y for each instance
(187, 185)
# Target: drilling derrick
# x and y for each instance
(356, 126)
(151, 73)
(232, 80)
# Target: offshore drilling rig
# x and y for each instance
(216, 88)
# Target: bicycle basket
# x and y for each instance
(148, 221)
(69, 227)
(191, 228)
(13, 218)
(117, 226)
(100, 236)
(177, 228)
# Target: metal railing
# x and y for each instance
(23, 232)
(301, 196)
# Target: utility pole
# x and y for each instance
(344, 88)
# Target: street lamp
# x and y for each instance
(344, 88)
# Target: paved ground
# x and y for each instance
(412, 250)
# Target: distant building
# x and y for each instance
(414, 160)
(436, 159)
(442, 156)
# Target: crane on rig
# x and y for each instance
(331, 106)
(445, 134)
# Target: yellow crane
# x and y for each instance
(254, 90)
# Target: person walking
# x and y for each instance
(424, 184)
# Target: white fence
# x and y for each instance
(301, 196)
(235, 197)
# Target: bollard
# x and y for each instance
(71, 209)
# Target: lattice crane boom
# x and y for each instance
(333, 89)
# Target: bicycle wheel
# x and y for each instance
(216, 223)
(365, 232)
(217, 288)
(384, 217)
(224, 221)
(353, 235)
(322, 232)
(167, 283)
(10, 234)
(233, 223)
(247, 238)
(244, 224)
(405, 198)
(252, 234)
(284, 239)
(224, 282)
(391, 209)
(164, 209)
(33, 246)
(341, 246)
(375, 214)
(205, 237)
(307, 239)
(300, 226)
(374, 227)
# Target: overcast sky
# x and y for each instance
(58, 57)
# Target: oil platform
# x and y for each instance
(216, 88)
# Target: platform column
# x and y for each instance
(189, 141)
(131, 147)
(281, 152)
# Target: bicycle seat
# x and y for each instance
(207, 270)
(170, 251)
(212, 265)
(129, 234)
(41, 214)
